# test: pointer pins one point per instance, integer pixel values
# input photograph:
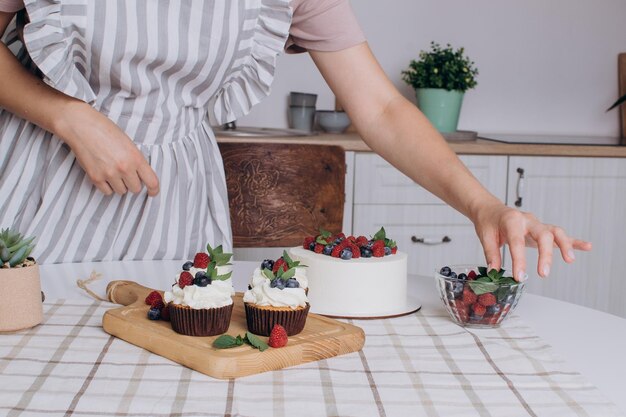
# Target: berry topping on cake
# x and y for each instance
(283, 272)
(201, 279)
(185, 279)
(351, 247)
(280, 264)
(268, 264)
(346, 254)
(153, 296)
(278, 337)
(201, 260)
(205, 268)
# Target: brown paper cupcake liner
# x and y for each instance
(261, 320)
(200, 322)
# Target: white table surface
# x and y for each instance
(593, 342)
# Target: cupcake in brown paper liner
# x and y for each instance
(200, 322)
(200, 303)
(277, 295)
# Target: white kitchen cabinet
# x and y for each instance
(429, 231)
(586, 196)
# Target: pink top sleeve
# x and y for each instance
(11, 5)
(323, 25)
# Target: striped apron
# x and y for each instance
(164, 71)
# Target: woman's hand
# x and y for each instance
(497, 224)
(109, 157)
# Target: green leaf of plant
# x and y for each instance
(480, 287)
(483, 279)
(256, 342)
(619, 102)
(482, 270)
(226, 341)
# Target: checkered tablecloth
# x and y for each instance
(416, 365)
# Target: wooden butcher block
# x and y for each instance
(321, 338)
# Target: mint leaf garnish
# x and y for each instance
(223, 277)
(482, 287)
(289, 274)
(254, 341)
(482, 270)
(226, 341)
(380, 235)
(268, 274)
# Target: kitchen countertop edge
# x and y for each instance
(353, 142)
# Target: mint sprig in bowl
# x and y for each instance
(476, 297)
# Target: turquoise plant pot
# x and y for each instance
(441, 107)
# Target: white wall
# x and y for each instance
(546, 66)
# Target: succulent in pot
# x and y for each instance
(20, 286)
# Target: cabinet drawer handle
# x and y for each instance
(425, 241)
(519, 190)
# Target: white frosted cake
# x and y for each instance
(361, 287)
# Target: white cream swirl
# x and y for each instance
(216, 294)
(263, 295)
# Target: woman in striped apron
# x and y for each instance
(112, 156)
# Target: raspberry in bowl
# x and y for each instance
(475, 297)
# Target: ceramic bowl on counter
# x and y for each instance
(332, 121)
(475, 297)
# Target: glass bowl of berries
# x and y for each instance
(476, 297)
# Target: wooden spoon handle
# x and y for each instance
(126, 292)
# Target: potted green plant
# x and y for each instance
(20, 288)
(441, 77)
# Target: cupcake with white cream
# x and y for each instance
(200, 303)
(277, 295)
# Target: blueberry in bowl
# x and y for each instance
(477, 297)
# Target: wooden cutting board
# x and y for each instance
(321, 338)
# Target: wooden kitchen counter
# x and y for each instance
(353, 142)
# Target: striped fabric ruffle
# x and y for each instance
(53, 48)
(251, 80)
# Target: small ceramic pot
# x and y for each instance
(21, 306)
(441, 107)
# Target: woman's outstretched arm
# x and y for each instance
(395, 129)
